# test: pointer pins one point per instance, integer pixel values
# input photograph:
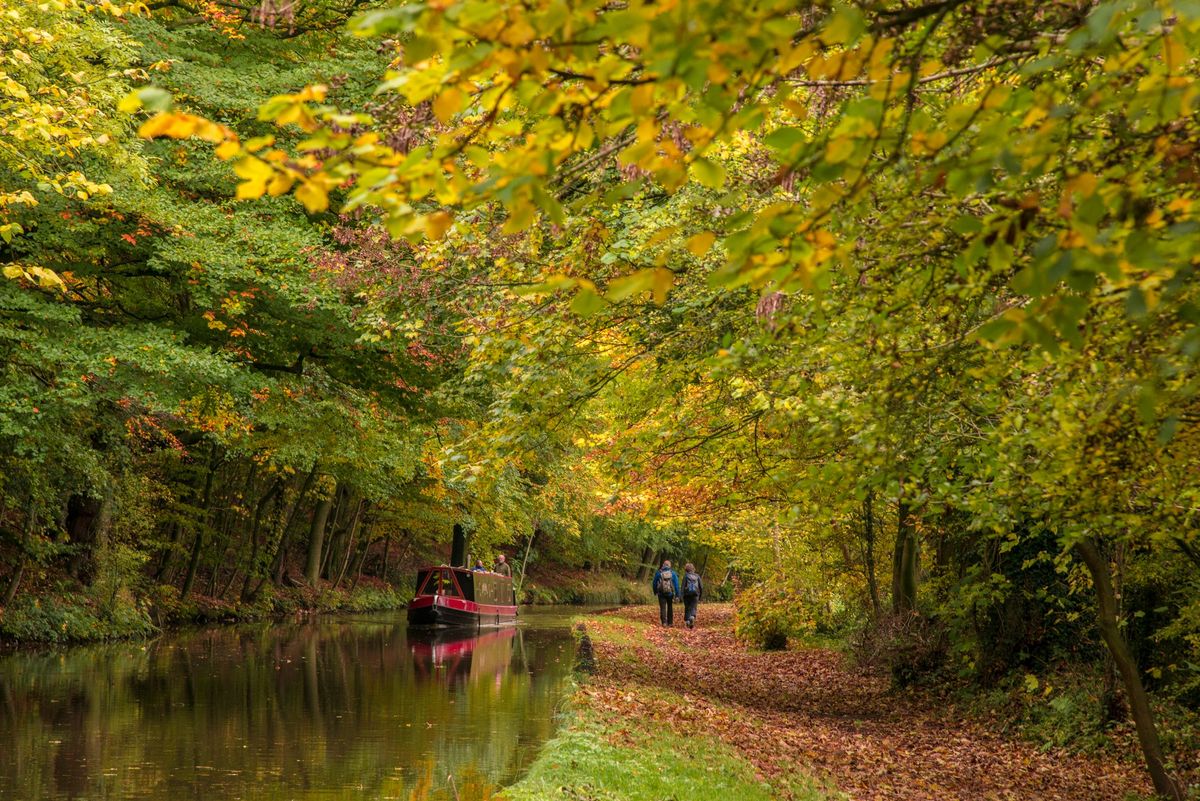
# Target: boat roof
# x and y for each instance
(463, 570)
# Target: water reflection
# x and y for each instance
(330, 710)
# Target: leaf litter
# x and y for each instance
(811, 709)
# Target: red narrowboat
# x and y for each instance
(456, 596)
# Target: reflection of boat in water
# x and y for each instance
(461, 653)
(455, 596)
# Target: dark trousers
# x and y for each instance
(666, 610)
(690, 602)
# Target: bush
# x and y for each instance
(71, 619)
(370, 598)
(594, 589)
(909, 646)
(768, 615)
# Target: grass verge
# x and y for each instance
(612, 750)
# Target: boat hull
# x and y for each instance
(439, 610)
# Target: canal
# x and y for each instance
(335, 709)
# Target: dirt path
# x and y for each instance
(809, 707)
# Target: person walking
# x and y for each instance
(693, 591)
(666, 587)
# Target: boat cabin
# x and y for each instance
(457, 596)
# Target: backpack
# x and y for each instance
(691, 584)
(664, 584)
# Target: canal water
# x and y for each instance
(334, 709)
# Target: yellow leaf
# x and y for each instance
(520, 216)
(700, 243)
(228, 150)
(130, 103)
(48, 279)
(313, 196)
(250, 190)
(838, 150)
(437, 223)
(259, 142)
(1084, 183)
(447, 104)
(316, 92)
(253, 169)
(281, 183)
(181, 127)
(13, 271)
(641, 99)
(155, 126)
(662, 235)
(211, 132)
(663, 280)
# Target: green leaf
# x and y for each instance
(586, 302)
(708, 172)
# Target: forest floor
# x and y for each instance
(812, 709)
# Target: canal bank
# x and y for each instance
(61, 613)
(633, 735)
(696, 714)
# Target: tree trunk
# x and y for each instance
(168, 553)
(645, 566)
(519, 583)
(362, 557)
(275, 492)
(316, 540)
(351, 536)
(198, 542)
(904, 561)
(31, 518)
(1139, 702)
(82, 515)
(338, 529)
(869, 553)
(280, 561)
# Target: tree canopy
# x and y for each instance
(891, 304)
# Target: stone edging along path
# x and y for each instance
(809, 709)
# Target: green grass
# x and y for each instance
(607, 759)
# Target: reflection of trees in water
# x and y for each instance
(341, 710)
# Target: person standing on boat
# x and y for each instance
(502, 567)
(693, 590)
(666, 587)
(479, 568)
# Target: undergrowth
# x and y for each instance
(592, 589)
(65, 615)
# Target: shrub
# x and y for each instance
(768, 615)
(57, 620)
(909, 645)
